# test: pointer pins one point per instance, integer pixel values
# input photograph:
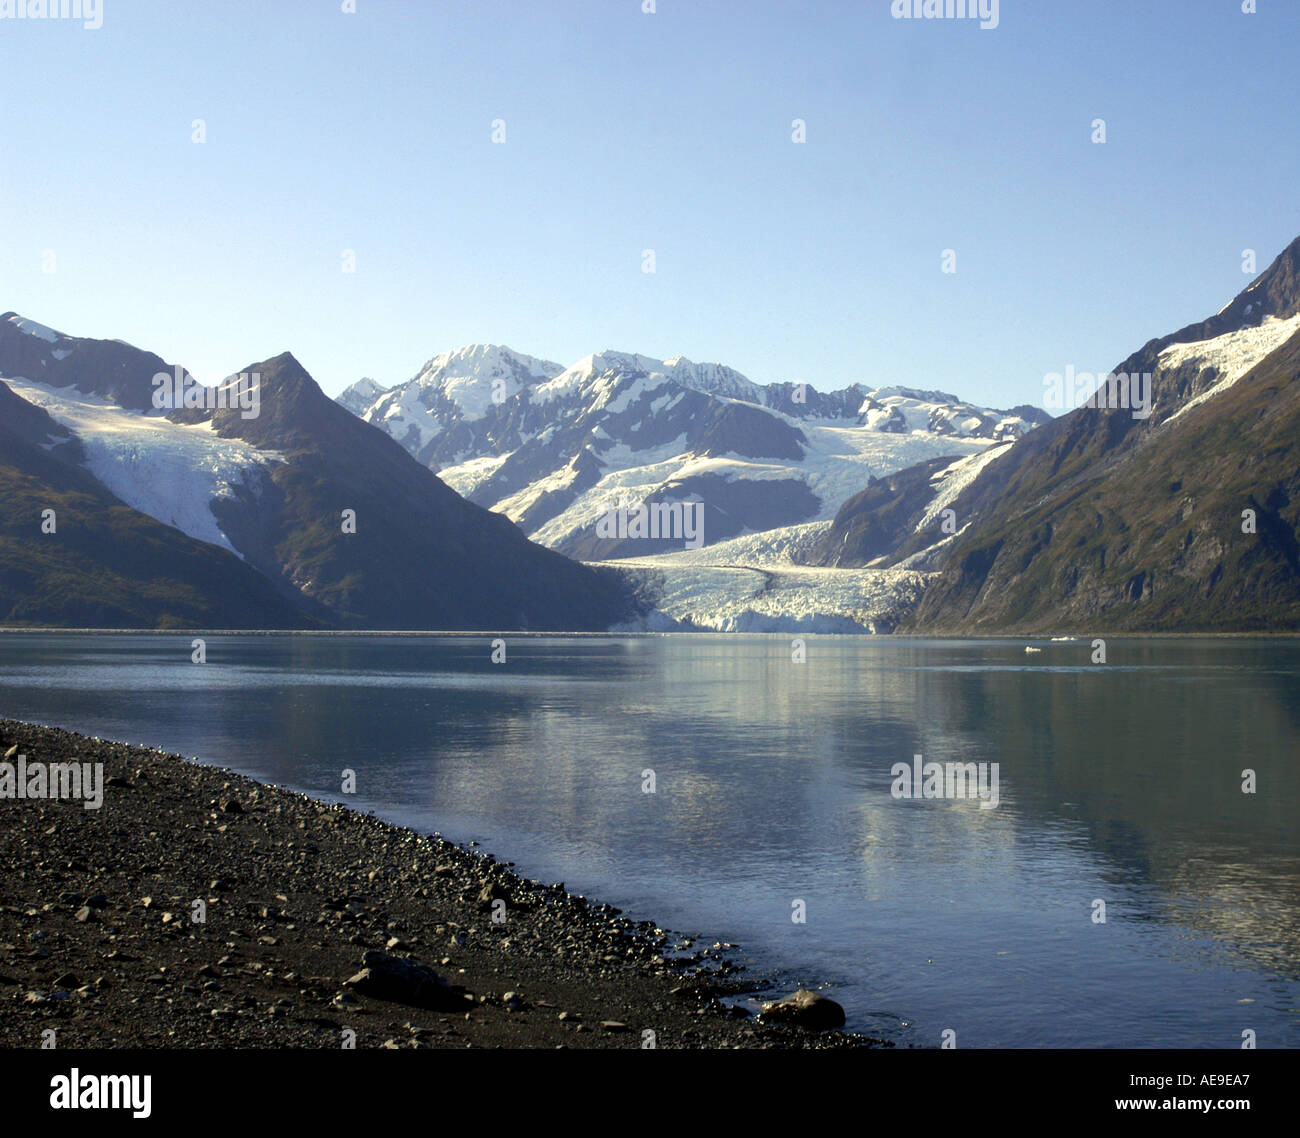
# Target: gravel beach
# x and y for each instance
(320, 927)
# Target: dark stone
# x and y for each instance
(400, 981)
(493, 891)
(806, 1009)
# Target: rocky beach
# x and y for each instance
(195, 907)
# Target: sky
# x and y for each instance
(498, 169)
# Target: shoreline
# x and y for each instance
(36, 630)
(317, 921)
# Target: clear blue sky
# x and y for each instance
(625, 131)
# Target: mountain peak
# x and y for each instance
(1275, 292)
(713, 379)
(31, 328)
(476, 360)
(288, 405)
(285, 362)
(707, 378)
(105, 368)
(356, 397)
(1273, 296)
(473, 378)
(611, 359)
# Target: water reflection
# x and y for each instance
(1119, 782)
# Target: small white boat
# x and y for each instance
(1033, 649)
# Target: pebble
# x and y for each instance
(353, 880)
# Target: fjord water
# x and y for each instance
(1118, 782)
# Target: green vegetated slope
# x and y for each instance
(1104, 521)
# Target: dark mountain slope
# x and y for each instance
(421, 557)
(1105, 521)
(881, 520)
(107, 368)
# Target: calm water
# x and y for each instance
(1119, 782)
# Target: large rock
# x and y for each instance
(400, 981)
(494, 891)
(806, 1009)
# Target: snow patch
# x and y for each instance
(31, 328)
(466, 477)
(170, 471)
(1231, 355)
(954, 479)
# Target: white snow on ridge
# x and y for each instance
(170, 471)
(838, 463)
(575, 378)
(404, 406)
(471, 376)
(473, 393)
(632, 484)
(921, 411)
(1232, 355)
(841, 460)
(466, 477)
(515, 506)
(715, 379)
(633, 392)
(840, 454)
(357, 397)
(922, 556)
(31, 328)
(954, 479)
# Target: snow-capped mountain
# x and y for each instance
(1177, 514)
(555, 448)
(74, 554)
(436, 412)
(265, 479)
(1187, 518)
(361, 394)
